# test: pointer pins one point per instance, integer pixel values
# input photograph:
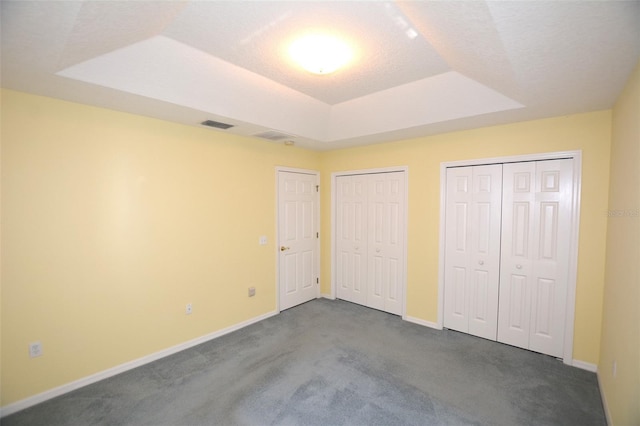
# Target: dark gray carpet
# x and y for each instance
(334, 363)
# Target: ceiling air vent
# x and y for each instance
(272, 135)
(216, 124)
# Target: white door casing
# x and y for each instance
(298, 238)
(472, 249)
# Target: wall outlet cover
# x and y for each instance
(35, 349)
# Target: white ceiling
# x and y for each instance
(421, 68)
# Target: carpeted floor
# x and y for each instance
(333, 363)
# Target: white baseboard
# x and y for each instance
(575, 363)
(607, 414)
(77, 384)
(421, 322)
(327, 296)
(585, 365)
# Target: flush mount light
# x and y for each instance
(320, 54)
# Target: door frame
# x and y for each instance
(573, 238)
(315, 173)
(334, 205)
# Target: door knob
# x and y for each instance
(519, 266)
(283, 248)
(481, 262)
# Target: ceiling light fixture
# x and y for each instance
(320, 54)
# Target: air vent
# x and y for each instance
(216, 124)
(272, 135)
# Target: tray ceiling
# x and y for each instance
(420, 68)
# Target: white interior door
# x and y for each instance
(554, 186)
(386, 242)
(351, 238)
(457, 244)
(472, 249)
(485, 251)
(370, 240)
(518, 201)
(535, 260)
(297, 238)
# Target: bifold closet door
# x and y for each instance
(386, 242)
(536, 211)
(370, 233)
(472, 249)
(351, 238)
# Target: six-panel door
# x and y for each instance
(386, 242)
(507, 234)
(370, 234)
(298, 227)
(351, 238)
(472, 249)
(535, 254)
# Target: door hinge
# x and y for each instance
(317, 188)
(317, 280)
(317, 235)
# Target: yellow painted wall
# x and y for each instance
(112, 222)
(590, 133)
(621, 312)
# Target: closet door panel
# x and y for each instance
(485, 250)
(518, 201)
(457, 247)
(472, 251)
(370, 239)
(386, 242)
(535, 261)
(351, 232)
(554, 187)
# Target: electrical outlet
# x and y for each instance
(252, 291)
(35, 349)
(189, 309)
(263, 240)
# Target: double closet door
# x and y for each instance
(370, 234)
(507, 252)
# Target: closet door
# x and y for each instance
(518, 201)
(370, 240)
(472, 249)
(535, 254)
(457, 248)
(386, 241)
(351, 238)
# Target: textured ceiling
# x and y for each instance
(420, 67)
